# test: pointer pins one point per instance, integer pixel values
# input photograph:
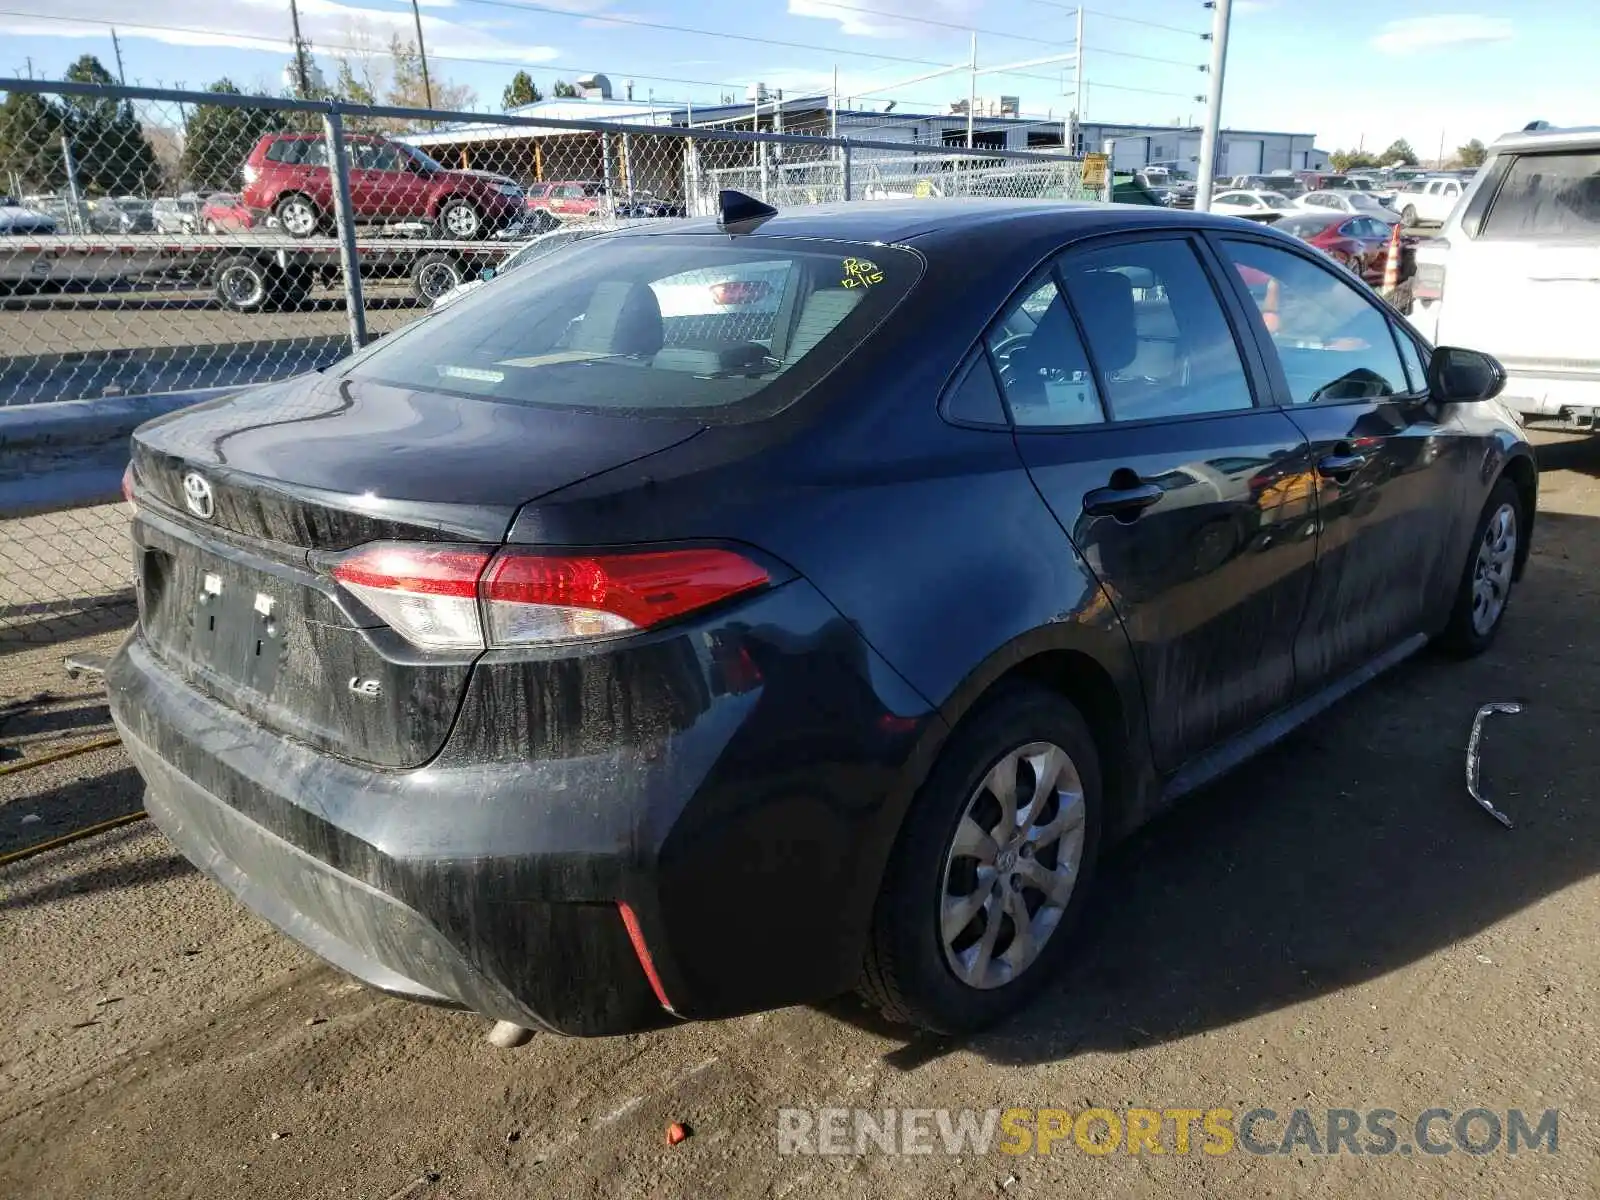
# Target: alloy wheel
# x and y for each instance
(1491, 572)
(1012, 865)
(298, 217)
(462, 221)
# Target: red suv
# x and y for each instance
(287, 175)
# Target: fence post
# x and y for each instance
(349, 256)
(80, 219)
(844, 161)
(610, 201)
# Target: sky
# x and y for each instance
(1352, 72)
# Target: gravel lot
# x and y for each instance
(1336, 924)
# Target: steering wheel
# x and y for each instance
(1002, 351)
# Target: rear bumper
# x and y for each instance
(746, 830)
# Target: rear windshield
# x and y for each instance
(659, 324)
(1548, 196)
(1307, 226)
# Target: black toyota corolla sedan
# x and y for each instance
(736, 612)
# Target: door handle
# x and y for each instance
(1124, 503)
(1335, 465)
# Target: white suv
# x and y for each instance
(1515, 272)
(1428, 201)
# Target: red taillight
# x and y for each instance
(740, 291)
(470, 597)
(127, 487)
(532, 598)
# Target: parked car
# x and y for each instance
(1350, 201)
(1285, 185)
(571, 198)
(595, 669)
(17, 219)
(287, 176)
(1266, 206)
(121, 216)
(176, 214)
(1428, 200)
(225, 212)
(1516, 268)
(1360, 243)
(645, 205)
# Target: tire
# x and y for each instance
(245, 284)
(242, 283)
(911, 968)
(298, 216)
(1408, 216)
(1484, 593)
(434, 274)
(461, 220)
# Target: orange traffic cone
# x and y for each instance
(1391, 267)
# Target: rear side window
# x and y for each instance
(301, 152)
(1042, 365)
(1548, 196)
(659, 324)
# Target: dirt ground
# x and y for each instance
(1334, 925)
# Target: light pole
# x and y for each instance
(422, 53)
(1208, 137)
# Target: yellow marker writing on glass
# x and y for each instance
(859, 272)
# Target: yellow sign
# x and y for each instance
(1094, 170)
(923, 190)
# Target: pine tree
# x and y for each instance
(109, 147)
(520, 91)
(30, 142)
(219, 139)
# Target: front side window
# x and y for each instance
(1156, 330)
(377, 156)
(662, 325)
(1553, 195)
(1039, 357)
(1334, 345)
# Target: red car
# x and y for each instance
(1358, 242)
(569, 197)
(224, 212)
(287, 175)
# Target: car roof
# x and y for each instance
(933, 220)
(1550, 139)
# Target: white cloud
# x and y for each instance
(1445, 29)
(258, 24)
(882, 22)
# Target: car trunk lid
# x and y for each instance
(244, 503)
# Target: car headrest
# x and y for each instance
(622, 318)
(1104, 300)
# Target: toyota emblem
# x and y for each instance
(197, 495)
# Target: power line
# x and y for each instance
(1110, 16)
(555, 66)
(641, 23)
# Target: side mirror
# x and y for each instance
(1457, 376)
(486, 274)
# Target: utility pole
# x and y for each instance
(1441, 149)
(1077, 104)
(117, 47)
(422, 53)
(302, 73)
(972, 89)
(30, 66)
(1208, 138)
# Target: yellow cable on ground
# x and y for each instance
(28, 764)
(86, 831)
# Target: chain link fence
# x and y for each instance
(159, 241)
(64, 575)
